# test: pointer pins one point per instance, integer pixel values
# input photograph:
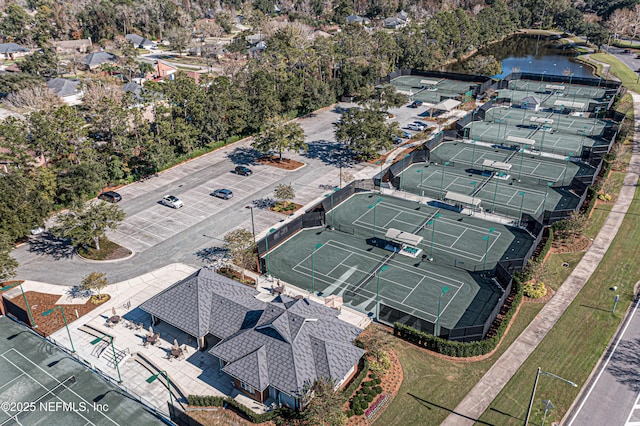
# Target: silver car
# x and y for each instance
(171, 201)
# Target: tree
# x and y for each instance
(323, 403)
(365, 132)
(23, 204)
(33, 98)
(241, 248)
(285, 193)
(279, 135)
(88, 223)
(178, 39)
(8, 264)
(94, 281)
(43, 63)
(572, 227)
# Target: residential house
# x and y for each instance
(12, 50)
(135, 89)
(355, 19)
(68, 90)
(164, 71)
(94, 60)
(271, 350)
(141, 42)
(394, 23)
(70, 46)
(256, 50)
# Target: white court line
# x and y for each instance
(10, 381)
(411, 292)
(392, 219)
(454, 243)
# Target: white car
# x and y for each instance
(171, 201)
(415, 127)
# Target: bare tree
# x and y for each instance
(34, 98)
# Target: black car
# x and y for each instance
(243, 171)
(415, 104)
(110, 196)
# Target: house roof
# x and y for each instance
(139, 40)
(12, 48)
(163, 69)
(284, 343)
(394, 21)
(72, 44)
(98, 58)
(530, 100)
(63, 87)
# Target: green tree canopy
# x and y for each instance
(94, 281)
(8, 264)
(241, 248)
(88, 223)
(280, 135)
(365, 132)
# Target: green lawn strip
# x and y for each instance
(626, 43)
(623, 72)
(574, 345)
(438, 384)
(599, 215)
(558, 273)
(107, 249)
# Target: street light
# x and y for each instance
(266, 248)
(486, 250)
(115, 358)
(253, 227)
(381, 164)
(64, 318)
(166, 376)
(535, 385)
(445, 289)
(446, 163)
(432, 222)
(382, 269)
(402, 173)
(331, 195)
(9, 287)
(373, 206)
(313, 252)
(521, 193)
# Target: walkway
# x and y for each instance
(481, 396)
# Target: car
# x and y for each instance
(243, 171)
(225, 194)
(397, 140)
(171, 201)
(37, 230)
(110, 197)
(421, 124)
(406, 135)
(415, 127)
(415, 104)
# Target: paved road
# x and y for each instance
(612, 397)
(160, 235)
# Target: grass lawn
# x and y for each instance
(574, 345)
(108, 251)
(623, 72)
(559, 273)
(433, 386)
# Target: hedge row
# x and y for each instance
(547, 245)
(228, 402)
(461, 349)
(355, 383)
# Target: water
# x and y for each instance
(533, 54)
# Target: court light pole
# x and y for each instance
(313, 276)
(421, 177)
(499, 120)
(373, 206)
(473, 152)
(473, 196)
(495, 193)
(381, 164)
(402, 174)
(543, 132)
(382, 269)
(521, 193)
(535, 386)
(432, 222)
(566, 166)
(64, 318)
(253, 227)
(486, 250)
(266, 248)
(166, 376)
(521, 162)
(115, 358)
(544, 203)
(26, 303)
(445, 289)
(446, 163)
(331, 195)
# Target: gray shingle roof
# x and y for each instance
(12, 48)
(98, 58)
(285, 343)
(63, 87)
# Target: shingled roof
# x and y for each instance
(285, 343)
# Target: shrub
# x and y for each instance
(534, 289)
(378, 390)
(368, 398)
(358, 411)
(364, 404)
(381, 363)
(378, 380)
(350, 413)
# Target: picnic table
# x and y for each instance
(114, 319)
(153, 339)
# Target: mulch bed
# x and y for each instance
(236, 275)
(108, 251)
(285, 163)
(40, 302)
(288, 212)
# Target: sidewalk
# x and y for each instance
(484, 392)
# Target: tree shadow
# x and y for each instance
(624, 362)
(212, 255)
(329, 152)
(244, 155)
(429, 403)
(263, 203)
(48, 245)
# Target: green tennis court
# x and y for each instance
(40, 384)
(349, 261)
(554, 100)
(532, 87)
(430, 89)
(557, 122)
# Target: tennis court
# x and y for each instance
(558, 122)
(554, 100)
(431, 90)
(349, 260)
(40, 384)
(531, 86)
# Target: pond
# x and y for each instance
(532, 54)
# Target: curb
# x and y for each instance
(84, 259)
